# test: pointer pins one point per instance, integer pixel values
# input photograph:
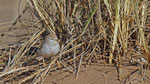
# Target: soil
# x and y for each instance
(97, 74)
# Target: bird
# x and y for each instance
(50, 46)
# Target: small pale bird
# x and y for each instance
(50, 46)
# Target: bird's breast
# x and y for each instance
(50, 49)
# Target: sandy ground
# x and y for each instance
(96, 75)
(9, 9)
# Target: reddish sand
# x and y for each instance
(95, 75)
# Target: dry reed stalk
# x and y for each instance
(117, 26)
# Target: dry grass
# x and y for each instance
(90, 31)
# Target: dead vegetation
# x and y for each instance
(89, 31)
